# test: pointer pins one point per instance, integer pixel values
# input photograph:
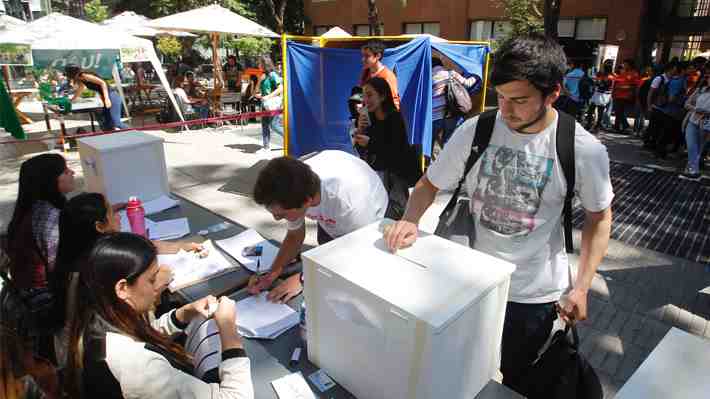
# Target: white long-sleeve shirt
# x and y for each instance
(136, 370)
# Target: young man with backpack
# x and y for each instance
(521, 165)
(665, 97)
(451, 99)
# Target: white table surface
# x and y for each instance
(677, 368)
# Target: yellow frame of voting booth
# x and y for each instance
(341, 42)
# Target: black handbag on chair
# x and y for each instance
(561, 372)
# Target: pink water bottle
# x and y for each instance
(136, 216)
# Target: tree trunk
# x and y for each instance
(279, 13)
(373, 18)
(552, 16)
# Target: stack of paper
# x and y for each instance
(188, 268)
(168, 229)
(159, 204)
(234, 246)
(293, 386)
(256, 318)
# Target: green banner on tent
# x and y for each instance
(97, 61)
(15, 54)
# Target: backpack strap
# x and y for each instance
(484, 131)
(565, 153)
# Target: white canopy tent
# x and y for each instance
(137, 25)
(336, 32)
(7, 21)
(214, 20)
(64, 33)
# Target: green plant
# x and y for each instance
(96, 11)
(252, 46)
(169, 46)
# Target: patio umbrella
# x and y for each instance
(214, 20)
(8, 118)
(137, 25)
(336, 32)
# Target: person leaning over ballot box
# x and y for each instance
(337, 190)
(115, 352)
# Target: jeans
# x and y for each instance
(640, 120)
(622, 108)
(266, 131)
(112, 116)
(525, 330)
(449, 125)
(606, 120)
(695, 140)
(202, 110)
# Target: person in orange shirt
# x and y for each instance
(624, 94)
(372, 53)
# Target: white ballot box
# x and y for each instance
(425, 322)
(124, 164)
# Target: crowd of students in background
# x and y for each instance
(668, 104)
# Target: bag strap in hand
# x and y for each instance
(484, 131)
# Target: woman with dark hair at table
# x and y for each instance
(32, 239)
(113, 106)
(115, 352)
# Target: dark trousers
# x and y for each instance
(623, 109)
(525, 331)
(322, 236)
(663, 129)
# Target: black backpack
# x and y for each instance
(458, 102)
(561, 372)
(661, 96)
(643, 91)
(484, 130)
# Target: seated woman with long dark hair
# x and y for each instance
(113, 106)
(84, 219)
(382, 138)
(33, 232)
(115, 352)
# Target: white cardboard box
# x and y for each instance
(424, 323)
(124, 164)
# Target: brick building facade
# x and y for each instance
(633, 25)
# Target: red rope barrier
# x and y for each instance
(157, 126)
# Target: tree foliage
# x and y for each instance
(252, 46)
(169, 46)
(525, 16)
(95, 11)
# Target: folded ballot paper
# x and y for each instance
(235, 245)
(165, 230)
(256, 318)
(189, 268)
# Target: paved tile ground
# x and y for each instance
(636, 297)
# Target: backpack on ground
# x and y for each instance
(458, 101)
(456, 223)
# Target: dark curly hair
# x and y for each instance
(286, 182)
(536, 58)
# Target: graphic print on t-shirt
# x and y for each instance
(509, 189)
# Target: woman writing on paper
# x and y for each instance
(115, 352)
(113, 106)
(84, 219)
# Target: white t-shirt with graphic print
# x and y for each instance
(351, 194)
(518, 189)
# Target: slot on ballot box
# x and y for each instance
(425, 322)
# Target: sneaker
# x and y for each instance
(688, 175)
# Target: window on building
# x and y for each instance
(362, 30)
(565, 27)
(321, 29)
(591, 29)
(489, 30)
(431, 28)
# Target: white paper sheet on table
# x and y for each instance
(159, 204)
(260, 318)
(234, 246)
(168, 229)
(126, 225)
(188, 268)
(293, 386)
